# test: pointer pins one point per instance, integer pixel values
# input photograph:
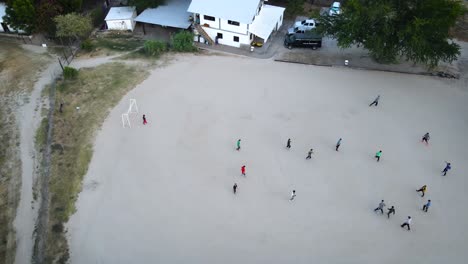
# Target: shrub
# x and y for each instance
(70, 73)
(183, 42)
(154, 48)
(87, 45)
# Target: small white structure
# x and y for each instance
(236, 22)
(121, 18)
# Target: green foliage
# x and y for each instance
(87, 45)
(144, 4)
(73, 25)
(154, 48)
(70, 73)
(97, 16)
(21, 15)
(294, 7)
(417, 30)
(70, 6)
(183, 42)
(314, 13)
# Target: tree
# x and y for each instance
(46, 11)
(73, 25)
(143, 4)
(415, 29)
(20, 15)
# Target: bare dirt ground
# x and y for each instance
(19, 71)
(162, 192)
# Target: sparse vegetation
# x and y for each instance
(118, 43)
(95, 91)
(87, 45)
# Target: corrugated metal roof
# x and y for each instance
(238, 10)
(172, 14)
(266, 21)
(120, 13)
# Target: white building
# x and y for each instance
(236, 22)
(121, 18)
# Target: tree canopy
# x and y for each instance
(46, 11)
(415, 29)
(20, 15)
(73, 25)
(143, 4)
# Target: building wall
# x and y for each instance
(280, 21)
(120, 24)
(223, 24)
(242, 28)
(212, 24)
(276, 27)
(228, 37)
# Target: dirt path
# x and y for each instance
(92, 62)
(29, 116)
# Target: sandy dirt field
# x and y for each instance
(162, 193)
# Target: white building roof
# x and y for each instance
(238, 10)
(266, 21)
(120, 13)
(2, 11)
(172, 14)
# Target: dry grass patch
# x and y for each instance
(96, 91)
(19, 69)
(111, 44)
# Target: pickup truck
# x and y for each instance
(309, 38)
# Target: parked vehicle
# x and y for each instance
(335, 9)
(307, 23)
(296, 30)
(308, 39)
(303, 25)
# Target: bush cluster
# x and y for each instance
(183, 42)
(70, 73)
(154, 48)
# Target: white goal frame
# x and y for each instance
(126, 121)
(132, 109)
